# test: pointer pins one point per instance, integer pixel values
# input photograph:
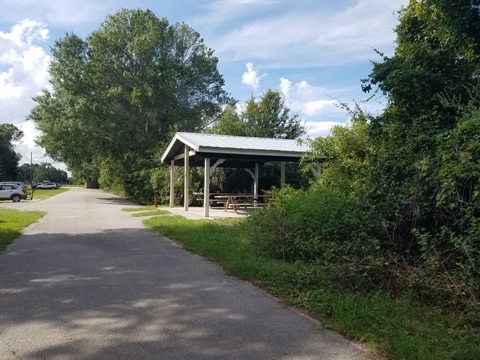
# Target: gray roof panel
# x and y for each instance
(234, 146)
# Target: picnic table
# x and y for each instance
(237, 200)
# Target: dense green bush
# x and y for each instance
(325, 229)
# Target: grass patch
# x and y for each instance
(397, 328)
(42, 194)
(142, 208)
(12, 222)
(151, 213)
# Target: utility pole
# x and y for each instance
(31, 173)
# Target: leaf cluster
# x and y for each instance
(9, 158)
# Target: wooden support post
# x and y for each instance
(206, 189)
(172, 182)
(186, 189)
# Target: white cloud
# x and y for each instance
(252, 77)
(317, 107)
(319, 111)
(284, 86)
(321, 128)
(26, 73)
(8, 89)
(312, 35)
(27, 63)
(308, 100)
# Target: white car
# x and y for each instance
(12, 192)
(48, 185)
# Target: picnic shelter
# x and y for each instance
(211, 151)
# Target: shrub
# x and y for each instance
(323, 228)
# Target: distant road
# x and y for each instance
(91, 282)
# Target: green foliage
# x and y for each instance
(345, 155)
(41, 172)
(122, 91)
(8, 157)
(424, 178)
(323, 227)
(268, 117)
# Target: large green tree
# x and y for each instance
(9, 158)
(123, 91)
(267, 117)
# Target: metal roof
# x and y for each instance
(239, 150)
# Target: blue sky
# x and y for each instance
(314, 51)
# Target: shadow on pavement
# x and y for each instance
(117, 200)
(130, 294)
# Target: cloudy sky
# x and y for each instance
(314, 51)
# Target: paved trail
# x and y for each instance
(91, 282)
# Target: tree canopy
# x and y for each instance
(119, 95)
(9, 158)
(41, 172)
(268, 117)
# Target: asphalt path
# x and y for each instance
(89, 281)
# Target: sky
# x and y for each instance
(314, 51)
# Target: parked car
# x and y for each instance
(19, 183)
(12, 192)
(47, 185)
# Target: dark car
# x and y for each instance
(12, 192)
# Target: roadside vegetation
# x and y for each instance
(42, 194)
(398, 328)
(12, 222)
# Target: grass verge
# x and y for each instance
(141, 208)
(147, 211)
(151, 213)
(12, 222)
(395, 328)
(42, 194)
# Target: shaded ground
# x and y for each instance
(91, 282)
